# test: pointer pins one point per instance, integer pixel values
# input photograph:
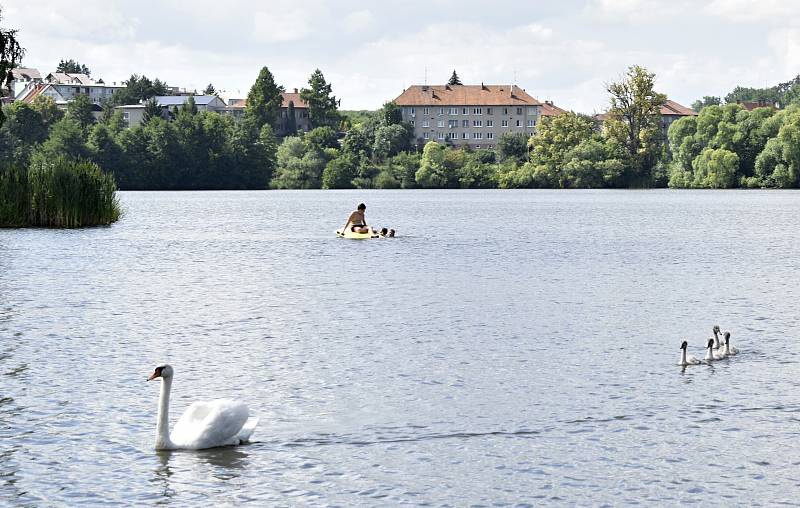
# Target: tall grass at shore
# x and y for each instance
(57, 194)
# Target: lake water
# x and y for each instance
(507, 348)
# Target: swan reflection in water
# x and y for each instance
(224, 463)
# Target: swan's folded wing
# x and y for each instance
(210, 424)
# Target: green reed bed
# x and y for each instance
(57, 194)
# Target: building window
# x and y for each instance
(426, 111)
(464, 111)
(504, 123)
(519, 111)
(464, 135)
(519, 123)
(425, 135)
(505, 111)
(452, 123)
(531, 123)
(489, 123)
(477, 111)
(477, 146)
(413, 112)
(489, 146)
(440, 135)
(488, 111)
(441, 111)
(477, 135)
(453, 111)
(531, 111)
(413, 123)
(490, 135)
(477, 123)
(440, 124)
(425, 123)
(465, 123)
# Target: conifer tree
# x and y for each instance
(454, 79)
(264, 100)
(322, 105)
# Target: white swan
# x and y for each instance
(219, 422)
(687, 360)
(729, 350)
(712, 355)
(717, 343)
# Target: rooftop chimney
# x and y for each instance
(295, 90)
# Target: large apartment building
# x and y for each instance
(474, 115)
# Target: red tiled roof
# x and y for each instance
(465, 95)
(35, 92)
(751, 105)
(669, 108)
(674, 109)
(550, 109)
(293, 97)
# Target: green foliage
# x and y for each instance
(513, 146)
(264, 99)
(58, 193)
(298, 166)
(11, 54)
(320, 138)
(339, 173)
(634, 122)
(322, 105)
(357, 118)
(391, 139)
(80, 110)
(433, 171)
(210, 90)
(72, 67)
(454, 79)
(138, 89)
(707, 100)
(48, 110)
(151, 110)
(390, 114)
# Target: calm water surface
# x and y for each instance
(508, 348)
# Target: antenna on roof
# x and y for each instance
(515, 77)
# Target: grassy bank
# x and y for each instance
(57, 194)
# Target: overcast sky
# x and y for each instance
(563, 51)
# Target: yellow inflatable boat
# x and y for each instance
(355, 236)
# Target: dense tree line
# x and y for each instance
(728, 146)
(725, 146)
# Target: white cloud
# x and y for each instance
(358, 21)
(778, 11)
(281, 25)
(786, 45)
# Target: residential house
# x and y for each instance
(301, 118)
(63, 88)
(133, 114)
(21, 77)
(236, 108)
(468, 115)
(751, 105)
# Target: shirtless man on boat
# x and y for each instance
(356, 222)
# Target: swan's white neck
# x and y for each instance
(683, 357)
(163, 441)
(710, 354)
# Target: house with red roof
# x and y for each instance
(470, 115)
